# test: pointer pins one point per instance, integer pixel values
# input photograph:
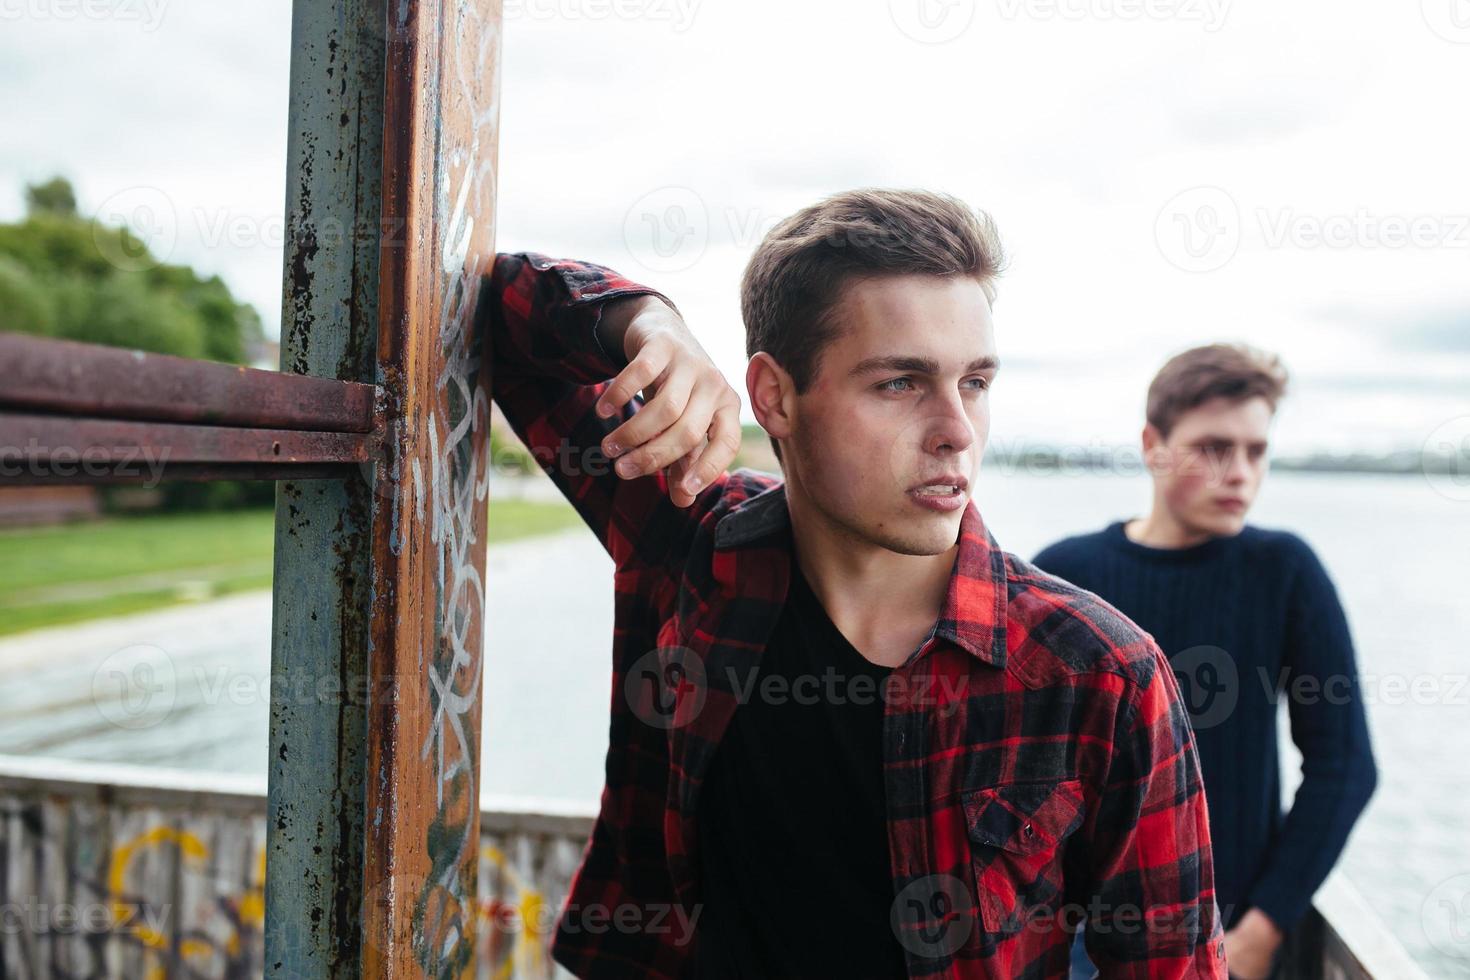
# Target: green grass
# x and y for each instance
(90, 570)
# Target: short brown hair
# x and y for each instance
(1234, 371)
(793, 280)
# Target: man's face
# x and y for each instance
(1208, 471)
(899, 401)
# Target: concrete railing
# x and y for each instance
(119, 871)
(111, 871)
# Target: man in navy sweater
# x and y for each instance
(1247, 616)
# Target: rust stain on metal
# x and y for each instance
(429, 530)
(72, 378)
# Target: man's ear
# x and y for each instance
(1153, 445)
(771, 394)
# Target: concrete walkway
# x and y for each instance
(188, 687)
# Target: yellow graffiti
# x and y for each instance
(527, 957)
(190, 847)
(250, 908)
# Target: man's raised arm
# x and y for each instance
(566, 339)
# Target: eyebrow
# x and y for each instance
(918, 365)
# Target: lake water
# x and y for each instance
(1397, 549)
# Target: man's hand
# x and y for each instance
(689, 424)
(1250, 946)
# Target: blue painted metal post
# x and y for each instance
(319, 651)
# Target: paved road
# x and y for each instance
(188, 687)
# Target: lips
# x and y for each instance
(950, 483)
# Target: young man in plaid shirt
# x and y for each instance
(850, 736)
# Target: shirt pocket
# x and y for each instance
(1017, 832)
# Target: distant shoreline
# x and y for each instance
(1407, 465)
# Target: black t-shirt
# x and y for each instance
(796, 878)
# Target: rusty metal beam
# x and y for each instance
(66, 377)
(423, 787)
(56, 449)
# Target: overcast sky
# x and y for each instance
(1163, 172)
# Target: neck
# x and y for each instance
(1160, 529)
(884, 602)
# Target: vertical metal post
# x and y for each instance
(319, 649)
(438, 197)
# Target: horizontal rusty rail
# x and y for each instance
(65, 377)
(55, 449)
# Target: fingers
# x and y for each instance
(642, 371)
(630, 443)
(707, 462)
(678, 431)
(689, 425)
(697, 436)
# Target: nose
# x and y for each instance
(949, 429)
(1238, 470)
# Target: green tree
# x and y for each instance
(61, 277)
(26, 306)
(67, 276)
(53, 197)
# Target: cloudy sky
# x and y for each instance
(1163, 172)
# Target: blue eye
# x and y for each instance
(983, 383)
(885, 386)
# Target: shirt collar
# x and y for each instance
(974, 614)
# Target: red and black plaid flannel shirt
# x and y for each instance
(1039, 763)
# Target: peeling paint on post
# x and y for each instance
(423, 784)
(329, 324)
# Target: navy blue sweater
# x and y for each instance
(1246, 621)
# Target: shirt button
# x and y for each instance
(1028, 831)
